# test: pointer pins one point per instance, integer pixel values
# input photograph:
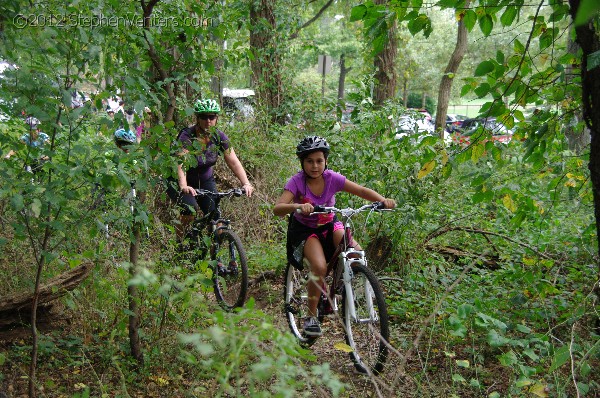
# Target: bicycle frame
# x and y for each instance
(342, 260)
(207, 220)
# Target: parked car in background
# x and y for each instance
(480, 127)
(454, 122)
(238, 104)
(415, 124)
(414, 121)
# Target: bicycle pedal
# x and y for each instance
(233, 267)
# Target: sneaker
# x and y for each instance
(312, 327)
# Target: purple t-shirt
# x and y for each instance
(207, 158)
(334, 182)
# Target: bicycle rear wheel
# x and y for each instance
(230, 270)
(295, 298)
(368, 334)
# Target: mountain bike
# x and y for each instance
(348, 280)
(228, 259)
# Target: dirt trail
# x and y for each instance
(391, 383)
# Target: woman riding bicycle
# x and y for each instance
(315, 237)
(206, 144)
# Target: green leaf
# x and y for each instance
(519, 47)
(447, 3)
(586, 11)
(486, 24)
(422, 22)
(482, 91)
(469, 19)
(466, 89)
(561, 357)
(508, 358)
(463, 363)
(585, 369)
(593, 60)
(36, 207)
(464, 310)
(17, 202)
(531, 354)
(484, 68)
(458, 378)
(509, 15)
(495, 339)
(478, 151)
(358, 12)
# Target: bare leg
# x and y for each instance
(313, 252)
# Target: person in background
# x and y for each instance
(34, 138)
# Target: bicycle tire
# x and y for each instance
(295, 296)
(232, 286)
(368, 335)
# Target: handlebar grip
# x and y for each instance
(378, 205)
(318, 209)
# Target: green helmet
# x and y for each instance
(207, 106)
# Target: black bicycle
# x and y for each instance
(228, 259)
(364, 314)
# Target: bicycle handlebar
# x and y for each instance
(231, 192)
(375, 206)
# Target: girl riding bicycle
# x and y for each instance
(315, 237)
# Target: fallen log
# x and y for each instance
(453, 254)
(15, 309)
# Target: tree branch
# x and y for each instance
(313, 19)
(446, 229)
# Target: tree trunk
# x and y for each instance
(405, 92)
(588, 39)
(446, 84)
(169, 87)
(134, 310)
(385, 65)
(578, 140)
(342, 81)
(266, 61)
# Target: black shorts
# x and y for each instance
(297, 235)
(189, 204)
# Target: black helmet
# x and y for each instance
(312, 144)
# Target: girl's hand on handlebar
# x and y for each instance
(389, 203)
(305, 208)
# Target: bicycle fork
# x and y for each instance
(357, 257)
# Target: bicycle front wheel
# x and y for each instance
(230, 270)
(295, 297)
(367, 333)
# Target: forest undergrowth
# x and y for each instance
(488, 272)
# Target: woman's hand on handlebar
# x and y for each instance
(248, 189)
(189, 190)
